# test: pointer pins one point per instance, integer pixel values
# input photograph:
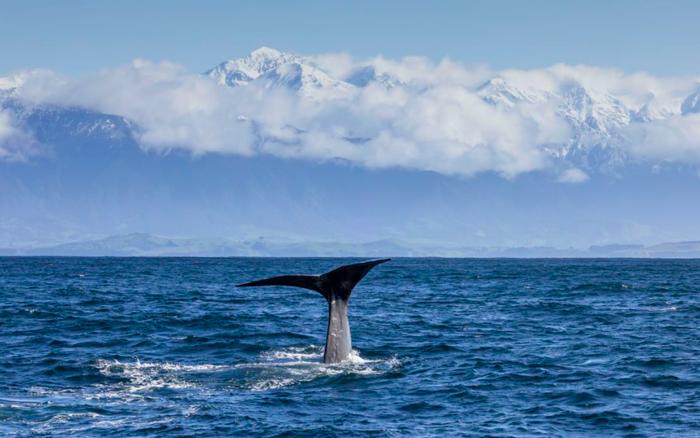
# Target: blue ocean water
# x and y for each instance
(445, 347)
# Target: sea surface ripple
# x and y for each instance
(444, 347)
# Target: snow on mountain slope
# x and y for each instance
(52, 123)
(691, 104)
(366, 75)
(597, 119)
(308, 81)
(367, 101)
(592, 118)
(498, 91)
(270, 68)
(586, 111)
(597, 113)
(655, 109)
(242, 71)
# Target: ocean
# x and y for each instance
(443, 347)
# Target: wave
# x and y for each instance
(295, 365)
(148, 376)
(271, 369)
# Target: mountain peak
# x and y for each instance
(498, 91)
(272, 68)
(242, 71)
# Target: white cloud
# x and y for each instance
(173, 108)
(15, 144)
(675, 139)
(573, 176)
(435, 120)
(444, 128)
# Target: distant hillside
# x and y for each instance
(146, 245)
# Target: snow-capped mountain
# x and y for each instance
(497, 91)
(596, 118)
(270, 68)
(595, 113)
(55, 124)
(587, 112)
(242, 71)
(366, 75)
(307, 80)
(654, 109)
(103, 173)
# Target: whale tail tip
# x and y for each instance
(338, 282)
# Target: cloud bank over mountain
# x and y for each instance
(15, 143)
(336, 149)
(572, 121)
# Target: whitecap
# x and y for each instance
(293, 365)
(298, 353)
(148, 376)
(107, 365)
(265, 385)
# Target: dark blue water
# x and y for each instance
(96, 346)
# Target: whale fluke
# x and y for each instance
(336, 286)
(304, 281)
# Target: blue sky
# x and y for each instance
(82, 36)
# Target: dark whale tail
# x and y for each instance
(337, 283)
(336, 286)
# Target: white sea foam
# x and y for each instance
(310, 352)
(146, 376)
(107, 365)
(52, 423)
(274, 369)
(294, 365)
(265, 385)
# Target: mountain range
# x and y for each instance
(84, 174)
(596, 119)
(145, 245)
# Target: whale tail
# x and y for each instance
(336, 286)
(337, 283)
